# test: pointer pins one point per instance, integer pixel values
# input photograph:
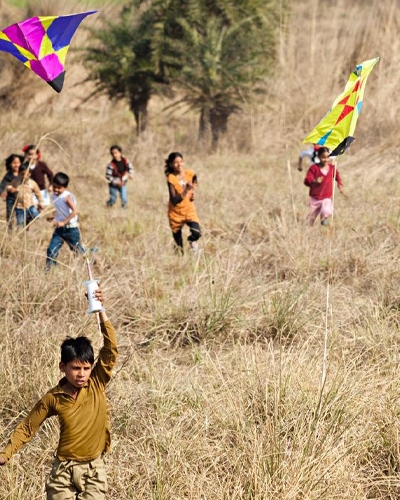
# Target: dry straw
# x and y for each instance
(217, 389)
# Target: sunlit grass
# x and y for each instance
(217, 392)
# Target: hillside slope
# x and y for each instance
(219, 391)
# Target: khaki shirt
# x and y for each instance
(84, 427)
(25, 192)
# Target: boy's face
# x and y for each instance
(76, 372)
(57, 190)
(31, 156)
(116, 154)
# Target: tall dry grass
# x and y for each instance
(217, 393)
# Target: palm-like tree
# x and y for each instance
(122, 63)
(222, 63)
(215, 52)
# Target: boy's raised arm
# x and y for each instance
(108, 353)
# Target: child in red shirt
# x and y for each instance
(319, 179)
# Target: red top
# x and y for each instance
(39, 172)
(325, 189)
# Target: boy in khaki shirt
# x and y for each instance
(79, 402)
(25, 188)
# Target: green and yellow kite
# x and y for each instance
(335, 131)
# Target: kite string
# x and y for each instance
(89, 273)
(329, 277)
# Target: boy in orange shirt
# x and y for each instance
(80, 404)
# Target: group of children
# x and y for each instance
(26, 195)
(24, 189)
(24, 186)
(181, 188)
(78, 399)
(25, 192)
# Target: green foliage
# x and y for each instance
(222, 66)
(216, 54)
(220, 57)
(120, 61)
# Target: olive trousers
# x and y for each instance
(73, 480)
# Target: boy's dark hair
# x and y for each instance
(322, 150)
(168, 162)
(10, 159)
(115, 146)
(61, 179)
(79, 348)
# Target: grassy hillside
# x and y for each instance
(217, 393)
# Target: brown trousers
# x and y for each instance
(73, 480)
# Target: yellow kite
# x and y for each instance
(336, 129)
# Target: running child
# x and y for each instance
(25, 189)
(319, 179)
(79, 402)
(181, 208)
(39, 171)
(118, 171)
(65, 220)
(13, 162)
(311, 154)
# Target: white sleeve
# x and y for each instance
(307, 152)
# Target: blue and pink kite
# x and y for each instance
(42, 43)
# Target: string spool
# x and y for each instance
(95, 305)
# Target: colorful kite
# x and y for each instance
(42, 43)
(336, 129)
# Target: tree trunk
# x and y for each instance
(219, 124)
(204, 122)
(138, 106)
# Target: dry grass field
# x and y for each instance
(217, 393)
